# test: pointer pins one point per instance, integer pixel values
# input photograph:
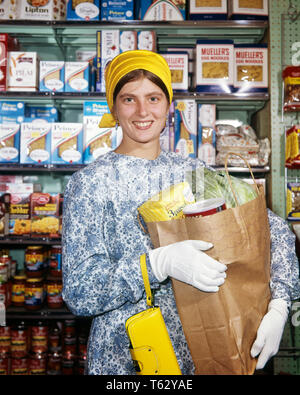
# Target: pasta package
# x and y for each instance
(44, 210)
(248, 9)
(292, 149)
(35, 140)
(84, 10)
(208, 9)
(52, 76)
(291, 78)
(185, 128)
(167, 204)
(214, 66)
(293, 201)
(9, 143)
(66, 143)
(178, 63)
(23, 71)
(250, 68)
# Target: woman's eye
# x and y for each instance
(128, 100)
(153, 99)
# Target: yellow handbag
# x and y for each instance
(150, 345)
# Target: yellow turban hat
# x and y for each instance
(126, 62)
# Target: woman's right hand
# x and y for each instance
(185, 261)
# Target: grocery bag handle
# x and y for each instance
(140, 223)
(149, 295)
(228, 177)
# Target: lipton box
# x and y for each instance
(83, 10)
(159, 10)
(7, 43)
(44, 211)
(248, 9)
(23, 71)
(9, 143)
(52, 76)
(185, 128)
(66, 143)
(208, 9)
(250, 68)
(77, 76)
(214, 66)
(178, 63)
(8, 10)
(19, 209)
(40, 10)
(35, 143)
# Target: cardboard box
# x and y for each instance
(146, 40)
(77, 76)
(7, 43)
(19, 210)
(207, 133)
(9, 143)
(248, 9)
(35, 143)
(91, 57)
(110, 47)
(4, 210)
(185, 125)
(158, 10)
(66, 143)
(208, 10)
(81, 10)
(128, 40)
(48, 113)
(44, 211)
(38, 10)
(12, 111)
(178, 63)
(23, 71)
(117, 10)
(8, 10)
(214, 66)
(52, 76)
(251, 68)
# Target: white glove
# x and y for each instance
(270, 332)
(186, 262)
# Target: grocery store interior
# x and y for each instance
(52, 96)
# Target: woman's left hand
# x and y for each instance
(270, 332)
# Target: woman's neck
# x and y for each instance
(144, 151)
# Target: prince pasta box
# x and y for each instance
(185, 134)
(35, 142)
(66, 143)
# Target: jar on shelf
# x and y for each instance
(55, 261)
(39, 338)
(37, 364)
(54, 364)
(4, 341)
(18, 290)
(4, 366)
(19, 366)
(4, 268)
(34, 261)
(54, 292)
(34, 292)
(19, 340)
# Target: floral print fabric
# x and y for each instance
(102, 243)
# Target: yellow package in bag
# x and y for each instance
(150, 345)
(167, 204)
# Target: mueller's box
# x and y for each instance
(77, 76)
(35, 143)
(44, 211)
(207, 133)
(250, 68)
(8, 10)
(83, 10)
(178, 63)
(208, 10)
(9, 143)
(185, 124)
(214, 66)
(248, 9)
(38, 10)
(110, 47)
(159, 10)
(112, 10)
(128, 40)
(12, 111)
(97, 141)
(66, 143)
(52, 76)
(23, 71)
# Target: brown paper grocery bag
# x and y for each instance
(221, 327)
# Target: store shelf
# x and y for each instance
(23, 241)
(38, 169)
(21, 313)
(245, 170)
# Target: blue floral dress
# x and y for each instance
(102, 243)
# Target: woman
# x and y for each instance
(102, 240)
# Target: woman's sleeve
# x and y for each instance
(93, 282)
(284, 282)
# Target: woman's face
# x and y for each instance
(141, 109)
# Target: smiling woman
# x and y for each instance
(102, 240)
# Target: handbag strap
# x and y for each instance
(146, 280)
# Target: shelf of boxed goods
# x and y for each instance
(65, 33)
